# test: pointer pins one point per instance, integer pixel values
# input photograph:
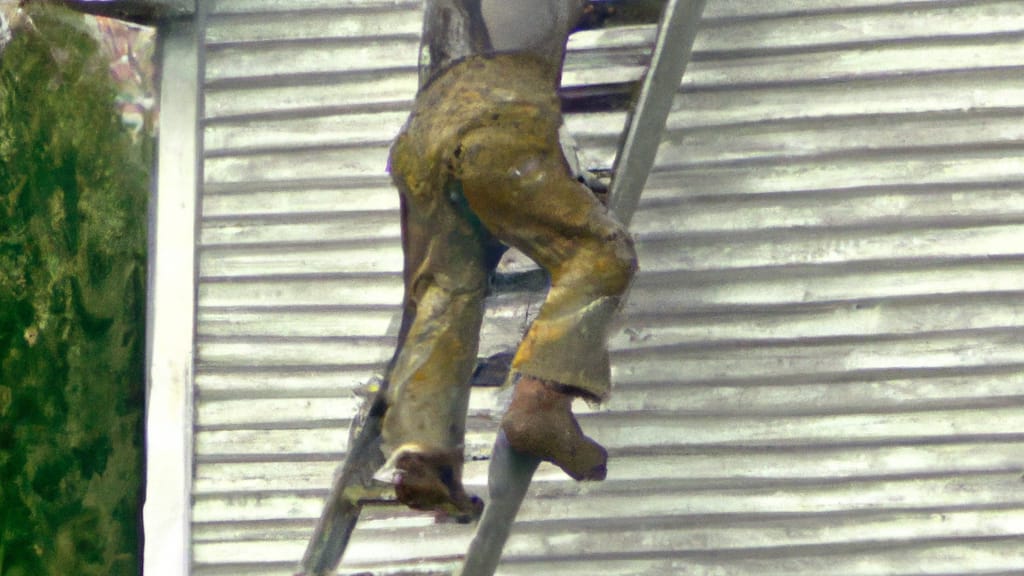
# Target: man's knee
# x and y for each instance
(614, 263)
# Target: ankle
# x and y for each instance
(535, 393)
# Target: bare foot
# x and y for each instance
(430, 481)
(540, 423)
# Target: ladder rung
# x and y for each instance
(600, 14)
(610, 97)
(492, 371)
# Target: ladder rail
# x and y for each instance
(637, 152)
(350, 489)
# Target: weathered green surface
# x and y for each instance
(73, 190)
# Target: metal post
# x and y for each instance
(172, 305)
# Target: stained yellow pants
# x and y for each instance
(479, 160)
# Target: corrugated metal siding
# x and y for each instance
(820, 366)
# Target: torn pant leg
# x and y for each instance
(518, 184)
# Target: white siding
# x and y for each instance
(820, 369)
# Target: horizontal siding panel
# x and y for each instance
(827, 26)
(850, 136)
(302, 323)
(835, 172)
(358, 258)
(837, 498)
(933, 21)
(248, 477)
(880, 207)
(671, 430)
(283, 381)
(945, 91)
(825, 356)
(347, 20)
(967, 557)
(324, 162)
(379, 55)
(828, 393)
(672, 326)
(886, 60)
(981, 557)
(740, 9)
(304, 95)
(269, 7)
(302, 198)
(822, 533)
(223, 352)
(234, 413)
(269, 445)
(868, 61)
(874, 391)
(324, 130)
(755, 288)
(804, 247)
(302, 290)
(303, 229)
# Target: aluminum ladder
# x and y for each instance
(509, 472)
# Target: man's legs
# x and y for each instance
(517, 183)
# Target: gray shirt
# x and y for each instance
(456, 29)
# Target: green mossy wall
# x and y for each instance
(73, 192)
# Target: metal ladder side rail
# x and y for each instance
(510, 473)
(351, 489)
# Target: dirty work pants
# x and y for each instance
(479, 159)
